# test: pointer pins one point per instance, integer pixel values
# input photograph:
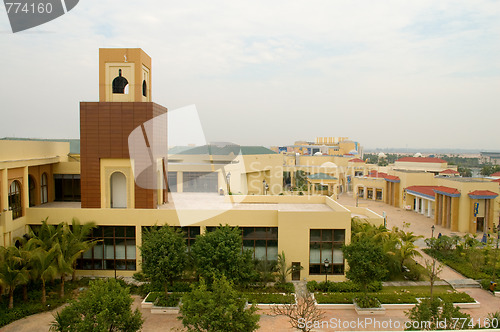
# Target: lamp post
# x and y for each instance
(265, 187)
(433, 227)
(228, 179)
(327, 263)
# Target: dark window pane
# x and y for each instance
(272, 233)
(109, 231)
(260, 232)
(131, 265)
(248, 232)
(326, 235)
(130, 231)
(315, 235)
(339, 235)
(314, 269)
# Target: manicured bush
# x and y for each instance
(340, 298)
(397, 298)
(367, 301)
(341, 287)
(456, 297)
(269, 298)
(172, 300)
(277, 288)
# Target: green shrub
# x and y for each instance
(269, 298)
(396, 298)
(456, 297)
(172, 300)
(341, 287)
(152, 296)
(338, 298)
(367, 301)
(287, 287)
(180, 287)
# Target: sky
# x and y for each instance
(390, 73)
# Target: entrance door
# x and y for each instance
(118, 190)
(295, 270)
(480, 224)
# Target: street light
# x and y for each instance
(327, 263)
(433, 230)
(265, 187)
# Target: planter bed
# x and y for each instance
(264, 300)
(152, 298)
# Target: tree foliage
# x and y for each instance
(218, 253)
(164, 254)
(105, 306)
(434, 314)
(218, 310)
(367, 262)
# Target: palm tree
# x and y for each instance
(12, 270)
(72, 244)
(44, 265)
(79, 235)
(408, 249)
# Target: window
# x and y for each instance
(263, 241)
(32, 191)
(15, 199)
(326, 244)
(120, 83)
(379, 195)
(172, 181)
(200, 182)
(361, 192)
(369, 193)
(44, 189)
(67, 187)
(144, 88)
(116, 249)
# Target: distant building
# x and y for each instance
(489, 158)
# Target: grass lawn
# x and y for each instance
(414, 268)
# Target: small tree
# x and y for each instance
(433, 269)
(301, 315)
(367, 262)
(105, 306)
(221, 309)
(164, 254)
(219, 253)
(433, 314)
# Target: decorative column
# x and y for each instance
(429, 208)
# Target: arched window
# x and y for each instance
(44, 189)
(32, 190)
(15, 199)
(118, 186)
(119, 83)
(144, 88)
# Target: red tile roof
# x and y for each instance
(447, 190)
(425, 190)
(392, 177)
(422, 160)
(497, 180)
(356, 160)
(483, 193)
(496, 174)
(449, 171)
(377, 174)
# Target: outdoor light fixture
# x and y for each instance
(433, 230)
(228, 179)
(327, 264)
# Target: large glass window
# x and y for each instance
(263, 241)
(67, 187)
(15, 199)
(172, 181)
(115, 250)
(200, 182)
(44, 189)
(326, 244)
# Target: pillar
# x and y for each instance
(454, 214)
(25, 194)
(180, 181)
(4, 204)
(422, 206)
(417, 204)
(429, 208)
(437, 210)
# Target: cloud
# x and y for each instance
(295, 70)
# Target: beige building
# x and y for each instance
(96, 179)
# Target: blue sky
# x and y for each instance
(385, 73)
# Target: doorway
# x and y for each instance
(480, 224)
(295, 271)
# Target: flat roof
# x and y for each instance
(211, 201)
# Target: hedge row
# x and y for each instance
(341, 287)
